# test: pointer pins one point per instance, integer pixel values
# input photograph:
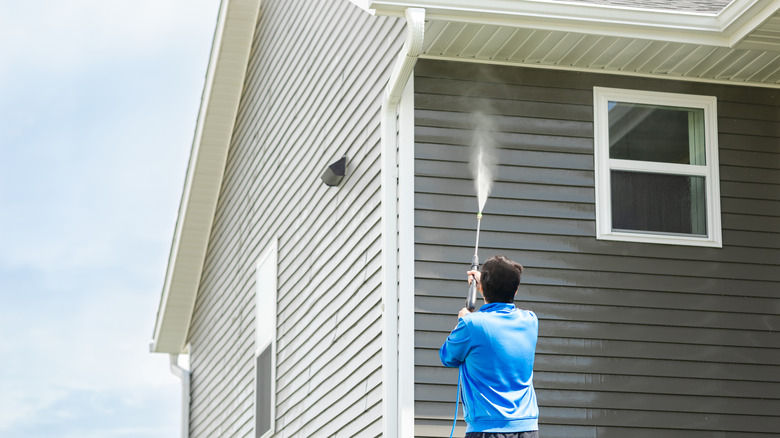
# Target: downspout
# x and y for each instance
(415, 28)
(184, 376)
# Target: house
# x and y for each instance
(638, 182)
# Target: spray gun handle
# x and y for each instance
(471, 299)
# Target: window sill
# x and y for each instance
(662, 239)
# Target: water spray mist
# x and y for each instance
(482, 163)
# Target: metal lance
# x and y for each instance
(471, 299)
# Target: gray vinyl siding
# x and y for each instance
(636, 340)
(310, 97)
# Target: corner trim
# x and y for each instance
(407, 57)
(406, 263)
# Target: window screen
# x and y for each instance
(264, 388)
(659, 203)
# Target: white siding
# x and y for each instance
(313, 93)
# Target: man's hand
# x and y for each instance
(475, 275)
(464, 311)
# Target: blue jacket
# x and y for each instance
(495, 349)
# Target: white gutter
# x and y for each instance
(184, 376)
(402, 71)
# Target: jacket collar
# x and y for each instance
(497, 307)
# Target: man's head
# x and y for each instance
(500, 278)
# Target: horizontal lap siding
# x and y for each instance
(633, 337)
(313, 94)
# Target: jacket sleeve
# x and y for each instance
(457, 345)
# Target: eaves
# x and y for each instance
(740, 44)
(216, 118)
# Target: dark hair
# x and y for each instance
(500, 278)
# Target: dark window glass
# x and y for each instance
(263, 392)
(658, 203)
(656, 133)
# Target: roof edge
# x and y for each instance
(222, 89)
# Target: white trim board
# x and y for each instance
(406, 261)
(266, 278)
(219, 107)
(396, 88)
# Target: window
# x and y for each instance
(656, 164)
(265, 343)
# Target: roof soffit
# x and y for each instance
(724, 29)
(739, 45)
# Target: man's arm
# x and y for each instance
(457, 345)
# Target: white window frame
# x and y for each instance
(603, 165)
(266, 292)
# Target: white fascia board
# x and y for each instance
(740, 26)
(218, 110)
(723, 29)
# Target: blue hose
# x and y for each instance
(457, 401)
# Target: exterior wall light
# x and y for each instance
(335, 172)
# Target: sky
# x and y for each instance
(98, 105)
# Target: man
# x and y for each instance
(494, 348)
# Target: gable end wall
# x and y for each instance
(313, 93)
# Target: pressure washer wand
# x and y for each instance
(471, 299)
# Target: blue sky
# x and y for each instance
(98, 103)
